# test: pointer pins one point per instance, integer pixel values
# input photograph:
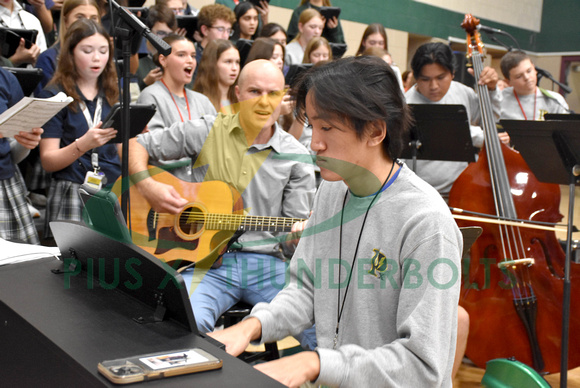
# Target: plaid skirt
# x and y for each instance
(63, 204)
(36, 177)
(16, 223)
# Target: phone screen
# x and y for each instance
(172, 360)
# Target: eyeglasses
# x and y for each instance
(162, 34)
(229, 31)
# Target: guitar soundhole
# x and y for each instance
(191, 221)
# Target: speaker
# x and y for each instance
(461, 73)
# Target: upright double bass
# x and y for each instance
(512, 285)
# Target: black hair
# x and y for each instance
(430, 53)
(368, 92)
(240, 10)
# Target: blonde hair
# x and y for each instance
(314, 44)
(67, 7)
(306, 16)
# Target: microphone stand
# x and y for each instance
(129, 26)
(492, 37)
(544, 73)
(541, 72)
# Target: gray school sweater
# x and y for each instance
(398, 327)
(510, 108)
(168, 114)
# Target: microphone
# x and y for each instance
(133, 22)
(545, 73)
(489, 30)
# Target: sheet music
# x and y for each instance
(11, 252)
(31, 113)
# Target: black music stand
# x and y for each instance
(562, 116)
(124, 267)
(552, 151)
(27, 78)
(441, 132)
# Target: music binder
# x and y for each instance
(31, 113)
(27, 78)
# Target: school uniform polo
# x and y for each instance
(68, 125)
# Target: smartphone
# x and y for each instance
(158, 365)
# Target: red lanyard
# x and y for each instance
(186, 102)
(522, 108)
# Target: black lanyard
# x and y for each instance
(339, 306)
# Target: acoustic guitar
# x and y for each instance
(203, 228)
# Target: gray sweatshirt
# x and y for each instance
(170, 112)
(399, 322)
(511, 109)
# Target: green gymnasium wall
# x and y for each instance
(560, 31)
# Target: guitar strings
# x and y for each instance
(192, 217)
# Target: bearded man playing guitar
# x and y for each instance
(271, 170)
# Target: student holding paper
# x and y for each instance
(16, 222)
(74, 146)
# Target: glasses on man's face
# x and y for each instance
(162, 34)
(221, 30)
(178, 11)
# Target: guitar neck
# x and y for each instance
(249, 223)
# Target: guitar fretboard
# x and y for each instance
(233, 222)
(249, 223)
